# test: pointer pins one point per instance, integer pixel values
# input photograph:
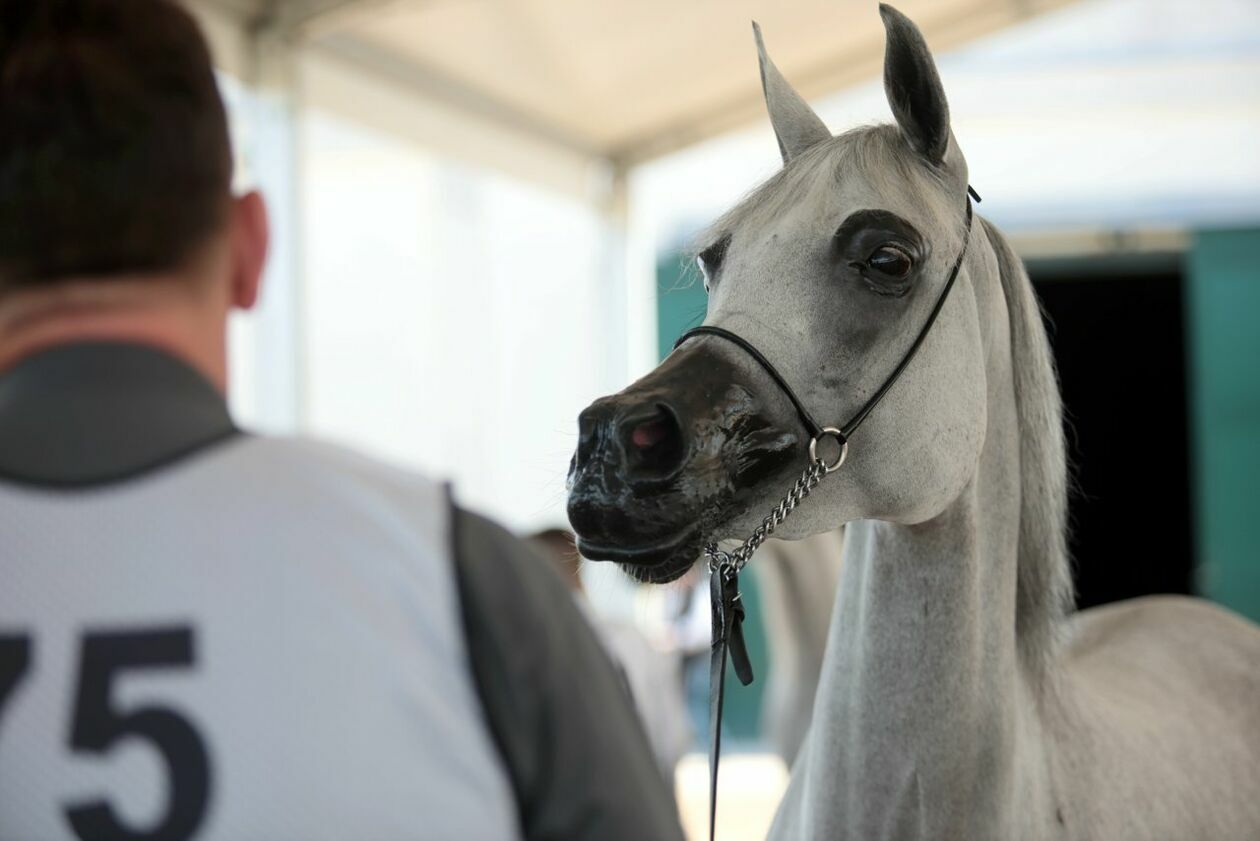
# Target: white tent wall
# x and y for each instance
(453, 317)
(456, 317)
(266, 373)
(442, 292)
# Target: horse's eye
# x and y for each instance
(710, 260)
(890, 262)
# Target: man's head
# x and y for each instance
(115, 172)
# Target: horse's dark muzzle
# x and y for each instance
(657, 463)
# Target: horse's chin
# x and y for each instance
(658, 563)
(662, 573)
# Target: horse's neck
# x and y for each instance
(922, 699)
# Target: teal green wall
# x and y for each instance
(1223, 315)
(680, 301)
(680, 305)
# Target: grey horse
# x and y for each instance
(960, 698)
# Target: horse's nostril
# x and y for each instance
(653, 444)
(650, 433)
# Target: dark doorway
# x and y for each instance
(1118, 338)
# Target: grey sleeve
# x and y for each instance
(560, 713)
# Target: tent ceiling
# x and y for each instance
(625, 80)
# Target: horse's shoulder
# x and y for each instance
(1143, 685)
(1165, 645)
(1162, 619)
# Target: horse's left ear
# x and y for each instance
(913, 86)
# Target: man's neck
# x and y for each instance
(154, 313)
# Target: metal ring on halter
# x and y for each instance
(832, 432)
(717, 558)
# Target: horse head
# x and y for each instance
(830, 269)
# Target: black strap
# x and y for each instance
(728, 610)
(849, 428)
(812, 426)
(728, 635)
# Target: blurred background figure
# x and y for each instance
(798, 580)
(653, 675)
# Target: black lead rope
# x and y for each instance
(724, 596)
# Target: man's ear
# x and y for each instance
(796, 126)
(913, 87)
(250, 239)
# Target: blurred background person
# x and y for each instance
(798, 580)
(653, 675)
(214, 634)
(796, 583)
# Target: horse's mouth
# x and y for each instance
(655, 563)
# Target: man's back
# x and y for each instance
(242, 637)
(297, 627)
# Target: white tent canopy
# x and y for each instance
(564, 88)
(1119, 116)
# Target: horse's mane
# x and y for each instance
(1044, 593)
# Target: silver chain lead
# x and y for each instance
(737, 558)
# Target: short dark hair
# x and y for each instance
(114, 149)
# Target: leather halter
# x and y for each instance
(725, 603)
(812, 426)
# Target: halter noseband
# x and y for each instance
(727, 609)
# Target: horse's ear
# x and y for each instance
(913, 86)
(796, 125)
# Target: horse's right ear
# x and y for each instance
(913, 86)
(796, 125)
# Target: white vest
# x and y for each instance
(279, 618)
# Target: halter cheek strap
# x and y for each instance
(727, 609)
(843, 433)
